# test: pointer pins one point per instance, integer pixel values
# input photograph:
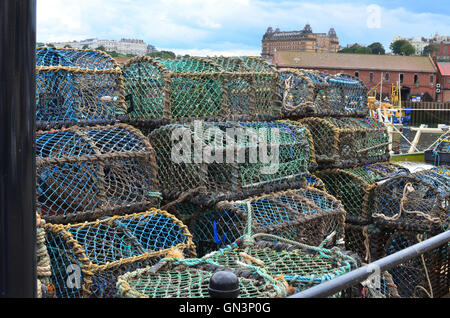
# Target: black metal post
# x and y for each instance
(17, 150)
(361, 274)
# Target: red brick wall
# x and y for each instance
(444, 50)
(424, 85)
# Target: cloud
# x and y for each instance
(226, 26)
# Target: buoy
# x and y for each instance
(224, 284)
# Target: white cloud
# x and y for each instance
(223, 26)
(212, 52)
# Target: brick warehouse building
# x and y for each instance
(443, 51)
(444, 81)
(417, 74)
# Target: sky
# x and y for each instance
(236, 27)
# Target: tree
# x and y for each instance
(101, 48)
(377, 48)
(85, 47)
(402, 47)
(430, 49)
(50, 45)
(67, 46)
(163, 55)
(113, 54)
(356, 49)
(363, 50)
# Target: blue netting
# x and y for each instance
(93, 170)
(77, 86)
(87, 59)
(111, 247)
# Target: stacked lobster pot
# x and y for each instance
(351, 149)
(356, 188)
(96, 178)
(231, 165)
(409, 209)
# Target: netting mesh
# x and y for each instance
(357, 240)
(87, 258)
(414, 201)
(311, 93)
(264, 269)
(224, 87)
(77, 87)
(233, 159)
(356, 187)
(382, 287)
(307, 216)
(425, 276)
(347, 142)
(85, 173)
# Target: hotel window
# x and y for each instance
(387, 77)
(370, 77)
(357, 74)
(402, 76)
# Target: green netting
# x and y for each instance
(414, 201)
(190, 278)
(77, 87)
(229, 88)
(311, 93)
(86, 173)
(306, 215)
(282, 269)
(347, 142)
(87, 258)
(356, 187)
(228, 159)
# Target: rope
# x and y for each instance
(430, 293)
(408, 189)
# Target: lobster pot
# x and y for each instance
(418, 201)
(77, 87)
(348, 142)
(194, 87)
(87, 258)
(307, 216)
(310, 93)
(230, 160)
(356, 188)
(301, 267)
(421, 277)
(253, 89)
(87, 173)
(178, 278)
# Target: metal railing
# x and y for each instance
(361, 274)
